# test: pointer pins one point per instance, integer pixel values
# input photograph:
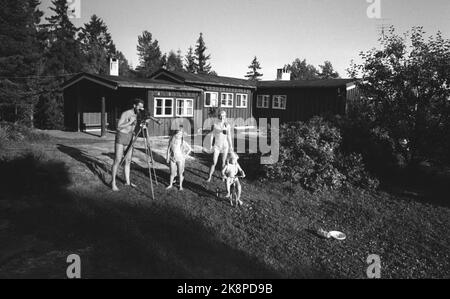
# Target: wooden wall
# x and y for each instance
(166, 122)
(302, 103)
(236, 115)
(84, 98)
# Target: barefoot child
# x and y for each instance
(230, 172)
(177, 151)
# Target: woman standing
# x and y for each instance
(221, 142)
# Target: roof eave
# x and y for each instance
(85, 76)
(160, 87)
(220, 84)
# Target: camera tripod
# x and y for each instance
(148, 154)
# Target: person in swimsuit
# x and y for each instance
(222, 142)
(229, 174)
(177, 151)
(124, 137)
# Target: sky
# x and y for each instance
(276, 31)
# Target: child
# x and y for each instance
(177, 151)
(230, 172)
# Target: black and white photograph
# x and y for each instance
(243, 141)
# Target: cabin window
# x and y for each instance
(211, 99)
(163, 107)
(279, 102)
(263, 101)
(227, 100)
(185, 107)
(241, 100)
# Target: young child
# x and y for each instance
(230, 172)
(177, 151)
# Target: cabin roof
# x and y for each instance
(319, 83)
(115, 82)
(207, 79)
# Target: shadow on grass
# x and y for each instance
(419, 185)
(96, 166)
(117, 239)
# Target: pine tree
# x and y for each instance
(64, 53)
(201, 59)
(174, 61)
(97, 46)
(190, 61)
(20, 55)
(253, 74)
(62, 58)
(150, 57)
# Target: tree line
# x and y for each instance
(37, 57)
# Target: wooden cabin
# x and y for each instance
(96, 102)
(233, 95)
(299, 100)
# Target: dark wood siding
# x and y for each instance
(302, 103)
(82, 102)
(166, 122)
(238, 116)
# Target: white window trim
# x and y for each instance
(163, 107)
(263, 96)
(217, 97)
(280, 107)
(246, 100)
(184, 100)
(232, 100)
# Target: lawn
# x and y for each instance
(55, 201)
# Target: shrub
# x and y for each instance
(382, 153)
(310, 155)
(10, 132)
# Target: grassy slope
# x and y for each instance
(59, 204)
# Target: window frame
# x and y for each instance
(279, 107)
(246, 100)
(217, 99)
(232, 100)
(164, 115)
(184, 108)
(262, 106)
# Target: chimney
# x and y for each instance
(283, 75)
(114, 67)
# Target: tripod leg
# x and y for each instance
(153, 162)
(149, 167)
(151, 156)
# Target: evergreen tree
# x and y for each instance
(62, 58)
(254, 74)
(201, 59)
(64, 53)
(150, 57)
(190, 61)
(327, 71)
(20, 54)
(174, 61)
(97, 46)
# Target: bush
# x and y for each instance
(310, 155)
(10, 132)
(382, 153)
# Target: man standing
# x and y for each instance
(124, 137)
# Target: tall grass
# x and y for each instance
(11, 132)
